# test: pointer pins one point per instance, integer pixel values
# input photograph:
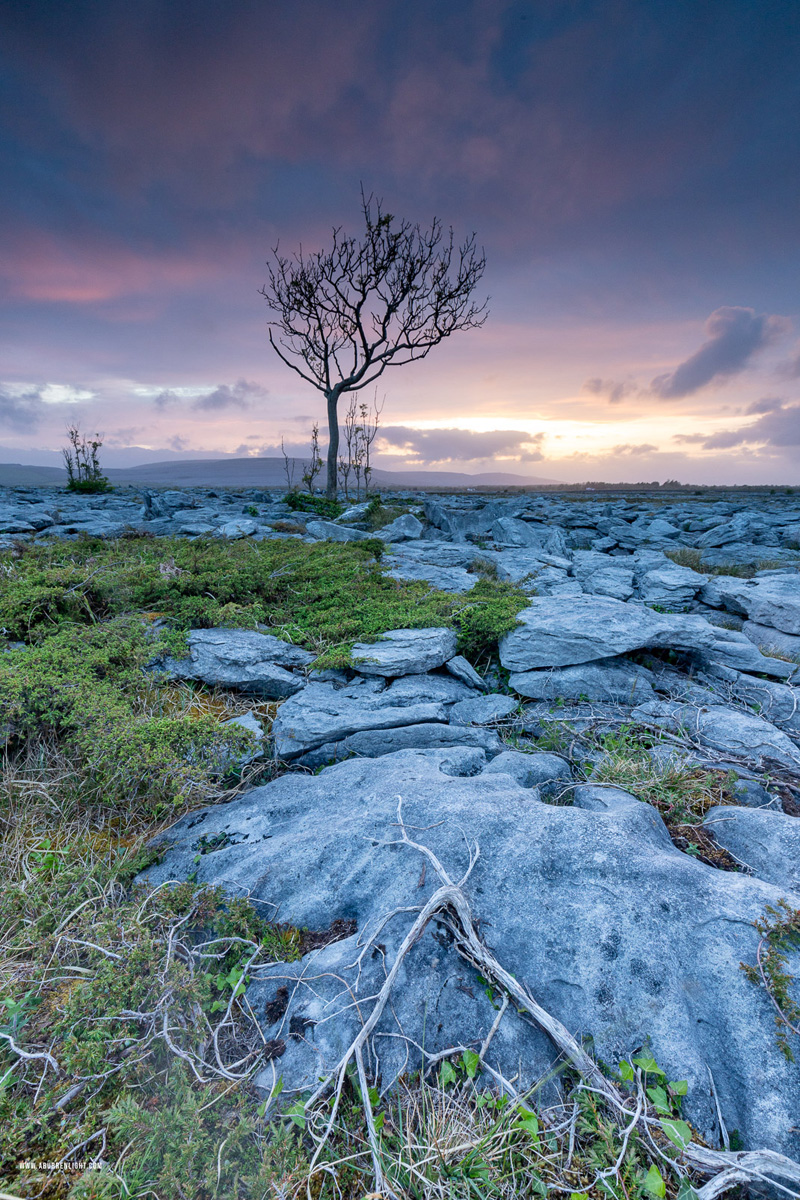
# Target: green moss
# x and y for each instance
(304, 502)
(83, 687)
(324, 596)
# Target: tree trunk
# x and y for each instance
(332, 398)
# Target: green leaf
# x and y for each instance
(374, 1097)
(379, 1119)
(297, 1114)
(539, 1187)
(647, 1063)
(470, 1061)
(654, 1182)
(625, 1070)
(677, 1132)
(678, 1087)
(579, 1196)
(446, 1074)
(660, 1099)
(686, 1191)
(530, 1123)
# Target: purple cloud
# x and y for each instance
(734, 336)
(464, 445)
(778, 426)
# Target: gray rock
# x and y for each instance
(667, 584)
(375, 743)
(416, 689)
(548, 773)
(768, 640)
(464, 671)
(750, 794)
(725, 729)
(613, 581)
(482, 710)
(402, 529)
(775, 701)
(767, 842)
(595, 797)
(560, 632)
(239, 528)
(324, 713)
(511, 532)
(615, 932)
(734, 649)
(773, 600)
(612, 679)
(405, 652)
(243, 659)
(444, 579)
(329, 531)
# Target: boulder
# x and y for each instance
(751, 794)
(510, 531)
(766, 841)
(464, 671)
(402, 529)
(324, 713)
(770, 640)
(725, 729)
(548, 773)
(373, 743)
(405, 652)
(666, 584)
(773, 600)
(242, 659)
(417, 689)
(615, 680)
(329, 531)
(239, 528)
(734, 649)
(775, 701)
(615, 932)
(482, 710)
(562, 631)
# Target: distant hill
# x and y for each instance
(254, 472)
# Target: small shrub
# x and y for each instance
(299, 502)
(83, 464)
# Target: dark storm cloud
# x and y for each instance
(20, 412)
(778, 427)
(734, 336)
(464, 445)
(241, 395)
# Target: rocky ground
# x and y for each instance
(616, 790)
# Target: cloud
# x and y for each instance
(241, 395)
(21, 411)
(614, 390)
(464, 445)
(628, 449)
(778, 427)
(166, 399)
(768, 404)
(734, 336)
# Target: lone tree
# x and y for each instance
(346, 314)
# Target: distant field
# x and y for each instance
(252, 472)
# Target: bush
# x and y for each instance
(300, 502)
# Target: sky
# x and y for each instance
(630, 170)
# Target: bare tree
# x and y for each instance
(348, 313)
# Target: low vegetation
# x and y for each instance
(686, 556)
(125, 1032)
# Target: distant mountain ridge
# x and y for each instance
(254, 472)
